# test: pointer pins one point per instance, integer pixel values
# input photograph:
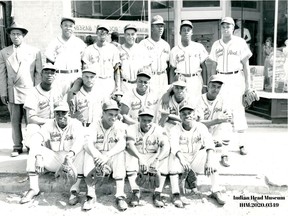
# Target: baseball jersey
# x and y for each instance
(190, 141)
(66, 55)
(102, 58)
(87, 106)
(106, 139)
(69, 138)
(149, 142)
(135, 102)
(229, 56)
(159, 53)
(132, 59)
(41, 103)
(188, 59)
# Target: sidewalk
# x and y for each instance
(266, 160)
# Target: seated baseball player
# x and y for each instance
(140, 96)
(192, 147)
(147, 148)
(40, 101)
(58, 139)
(105, 145)
(215, 114)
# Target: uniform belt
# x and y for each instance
(190, 75)
(129, 81)
(104, 77)
(227, 73)
(85, 124)
(67, 71)
(160, 72)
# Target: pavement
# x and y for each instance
(263, 170)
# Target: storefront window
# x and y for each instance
(2, 27)
(201, 3)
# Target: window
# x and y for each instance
(97, 7)
(201, 3)
(125, 7)
(2, 26)
(244, 4)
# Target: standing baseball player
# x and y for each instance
(106, 145)
(133, 57)
(192, 147)
(141, 96)
(188, 58)
(147, 148)
(65, 52)
(159, 51)
(59, 139)
(216, 115)
(20, 68)
(230, 56)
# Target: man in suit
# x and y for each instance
(20, 68)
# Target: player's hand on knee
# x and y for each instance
(39, 164)
(142, 165)
(185, 164)
(209, 169)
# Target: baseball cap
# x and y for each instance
(130, 26)
(146, 111)
(89, 70)
(67, 18)
(146, 71)
(186, 23)
(102, 27)
(216, 78)
(186, 105)
(157, 20)
(179, 80)
(227, 20)
(62, 106)
(49, 66)
(110, 105)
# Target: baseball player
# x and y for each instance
(65, 53)
(106, 144)
(140, 96)
(59, 138)
(230, 56)
(216, 115)
(192, 147)
(188, 58)
(159, 51)
(39, 103)
(20, 68)
(133, 57)
(147, 148)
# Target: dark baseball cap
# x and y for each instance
(67, 18)
(110, 105)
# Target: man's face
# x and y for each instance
(187, 116)
(186, 32)
(61, 118)
(16, 36)
(130, 36)
(227, 29)
(213, 90)
(110, 116)
(157, 29)
(101, 35)
(67, 28)
(145, 122)
(48, 76)
(179, 92)
(143, 83)
(88, 79)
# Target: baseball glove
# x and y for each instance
(67, 171)
(148, 180)
(98, 175)
(249, 97)
(188, 180)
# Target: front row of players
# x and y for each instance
(127, 150)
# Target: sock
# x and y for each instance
(119, 187)
(132, 181)
(174, 181)
(161, 184)
(34, 182)
(76, 186)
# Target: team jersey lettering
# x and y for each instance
(55, 137)
(43, 104)
(180, 58)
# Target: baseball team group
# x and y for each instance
(125, 109)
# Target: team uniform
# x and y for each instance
(159, 53)
(228, 58)
(102, 59)
(187, 61)
(132, 60)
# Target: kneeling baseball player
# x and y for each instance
(192, 148)
(147, 151)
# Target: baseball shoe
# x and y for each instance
(121, 203)
(224, 161)
(176, 200)
(74, 198)
(89, 203)
(218, 197)
(157, 201)
(16, 152)
(30, 195)
(243, 150)
(135, 198)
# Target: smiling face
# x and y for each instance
(142, 83)
(130, 36)
(102, 35)
(187, 116)
(67, 29)
(110, 116)
(145, 122)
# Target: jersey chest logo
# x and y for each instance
(43, 104)
(180, 58)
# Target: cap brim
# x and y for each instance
(187, 107)
(130, 28)
(155, 23)
(61, 109)
(179, 83)
(67, 19)
(146, 113)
